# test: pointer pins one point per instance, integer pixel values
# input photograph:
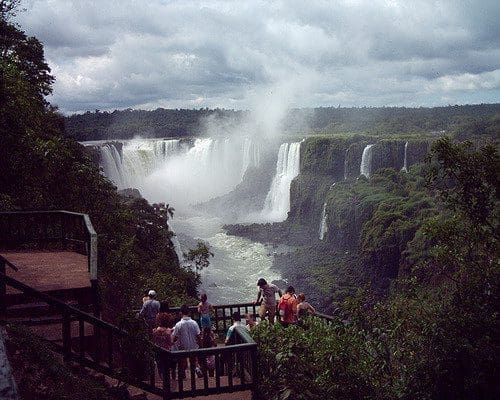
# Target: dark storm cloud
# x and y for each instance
(197, 53)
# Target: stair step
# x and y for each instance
(39, 310)
(27, 310)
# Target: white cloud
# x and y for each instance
(221, 53)
(466, 82)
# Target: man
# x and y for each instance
(186, 336)
(150, 309)
(236, 322)
(287, 307)
(267, 292)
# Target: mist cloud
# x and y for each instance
(191, 54)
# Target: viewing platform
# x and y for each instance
(48, 271)
(54, 252)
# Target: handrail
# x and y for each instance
(7, 262)
(21, 228)
(58, 304)
(235, 364)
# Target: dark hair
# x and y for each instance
(236, 316)
(203, 297)
(261, 282)
(185, 309)
(164, 306)
(290, 289)
(207, 338)
(164, 320)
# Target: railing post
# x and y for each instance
(255, 376)
(166, 364)
(3, 290)
(66, 336)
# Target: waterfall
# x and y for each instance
(366, 161)
(177, 247)
(111, 163)
(346, 164)
(277, 203)
(251, 156)
(166, 170)
(323, 227)
(405, 162)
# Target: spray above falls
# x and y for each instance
(179, 172)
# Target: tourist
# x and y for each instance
(267, 292)
(250, 321)
(164, 312)
(149, 310)
(146, 297)
(236, 322)
(287, 307)
(303, 307)
(205, 309)
(207, 341)
(162, 337)
(186, 335)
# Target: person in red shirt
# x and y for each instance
(287, 307)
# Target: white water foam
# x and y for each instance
(277, 203)
(366, 161)
(405, 162)
(323, 227)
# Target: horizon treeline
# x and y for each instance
(469, 120)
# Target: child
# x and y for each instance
(205, 309)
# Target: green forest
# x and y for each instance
(428, 328)
(460, 121)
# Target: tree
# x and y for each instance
(25, 53)
(199, 257)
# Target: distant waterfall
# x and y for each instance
(323, 227)
(405, 162)
(346, 164)
(366, 161)
(277, 203)
(177, 247)
(251, 156)
(176, 172)
(112, 164)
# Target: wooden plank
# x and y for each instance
(47, 271)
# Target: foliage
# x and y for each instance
(435, 336)
(199, 257)
(315, 361)
(366, 120)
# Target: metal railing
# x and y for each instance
(50, 230)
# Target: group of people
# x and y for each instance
(292, 308)
(186, 334)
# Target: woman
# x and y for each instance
(162, 337)
(303, 307)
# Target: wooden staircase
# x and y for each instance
(43, 287)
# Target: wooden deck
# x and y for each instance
(48, 271)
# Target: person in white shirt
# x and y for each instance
(236, 322)
(267, 292)
(186, 336)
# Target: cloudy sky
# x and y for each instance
(200, 53)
